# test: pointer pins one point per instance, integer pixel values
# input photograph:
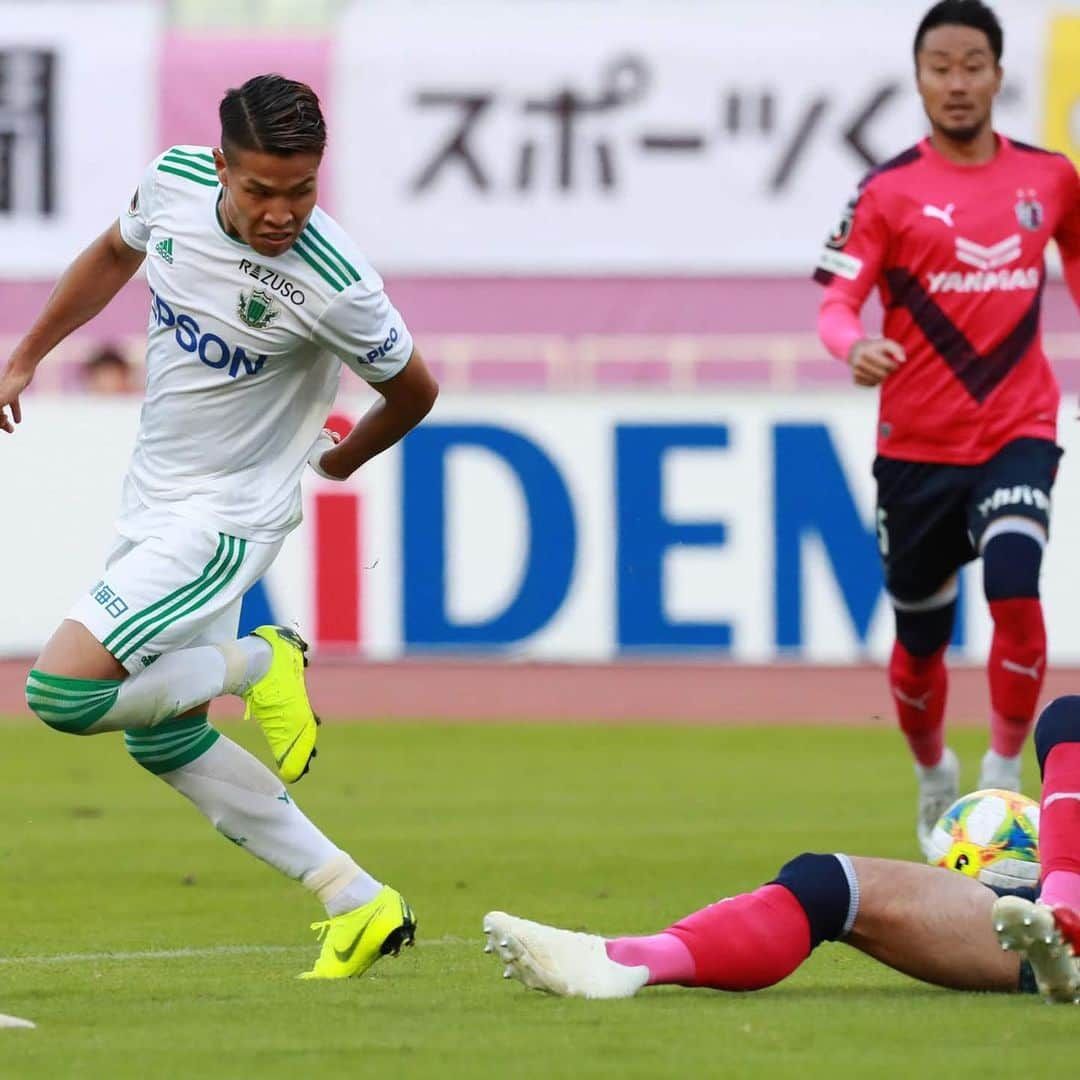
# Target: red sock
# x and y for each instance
(747, 942)
(919, 685)
(1059, 818)
(1016, 669)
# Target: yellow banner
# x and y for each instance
(1062, 131)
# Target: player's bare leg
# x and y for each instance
(1047, 932)
(930, 923)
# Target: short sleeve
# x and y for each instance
(136, 221)
(1067, 233)
(365, 331)
(855, 251)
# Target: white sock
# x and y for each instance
(184, 679)
(248, 804)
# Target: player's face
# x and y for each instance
(958, 78)
(268, 197)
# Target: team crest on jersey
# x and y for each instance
(257, 309)
(839, 236)
(1029, 211)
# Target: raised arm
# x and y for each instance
(87, 285)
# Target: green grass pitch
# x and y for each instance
(613, 829)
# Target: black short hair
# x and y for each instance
(274, 115)
(973, 13)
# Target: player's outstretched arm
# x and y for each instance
(87, 285)
(404, 401)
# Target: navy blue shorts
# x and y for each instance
(931, 517)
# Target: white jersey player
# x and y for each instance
(257, 298)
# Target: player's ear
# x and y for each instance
(221, 165)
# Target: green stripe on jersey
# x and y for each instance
(319, 264)
(206, 181)
(197, 154)
(197, 167)
(331, 253)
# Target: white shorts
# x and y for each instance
(170, 583)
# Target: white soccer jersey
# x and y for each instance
(244, 352)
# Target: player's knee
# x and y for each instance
(1011, 564)
(1059, 722)
(827, 890)
(925, 627)
(165, 747)
(69, 705)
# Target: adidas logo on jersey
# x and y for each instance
(164, 249)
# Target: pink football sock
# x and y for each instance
(666, 957)
(1059, 826)
(743, 943)
(1061, 887)
(919, 686)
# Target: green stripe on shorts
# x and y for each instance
(138, 629)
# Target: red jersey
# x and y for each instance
(956, 252)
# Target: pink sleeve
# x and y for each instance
(839, 325)
(1071, 266)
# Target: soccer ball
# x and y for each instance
(989, 835)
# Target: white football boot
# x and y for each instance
(1030, 930)
(939, 787)
(1002, 773)
(560, 962)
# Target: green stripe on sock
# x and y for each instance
(192, 737)
(70, 705)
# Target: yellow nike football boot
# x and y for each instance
(279, 702)
(352, 942)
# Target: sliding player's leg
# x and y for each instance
(1047, 932)
(926, 922)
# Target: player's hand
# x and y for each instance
(873, 360)
(326, 441)
(12, 384)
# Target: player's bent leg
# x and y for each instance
(919, 682)
(248, 805)
(74, 681)
(1012, 550)
(278, 702)
(1034, 931)
(744, 942)
(932, 924)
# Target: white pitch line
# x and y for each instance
(185, 954)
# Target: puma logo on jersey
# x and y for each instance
(919, 703)
(164, 249)
(1032, 672)
(941, 213)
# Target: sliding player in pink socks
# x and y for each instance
(1047, 931)
(930, 923)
